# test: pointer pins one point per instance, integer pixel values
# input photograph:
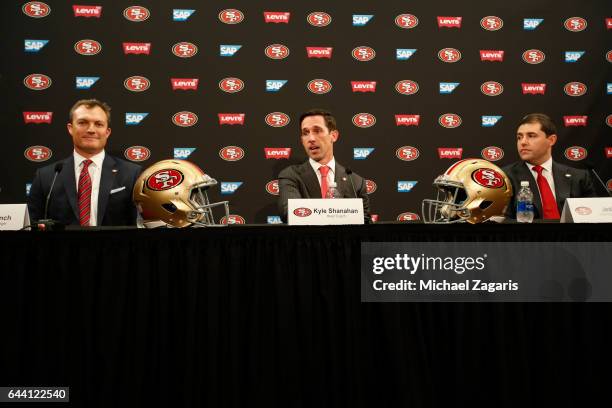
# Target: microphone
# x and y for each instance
(601, 181)
(58, 169)
(349, 172)
(48, 224)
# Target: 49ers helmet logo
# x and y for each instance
(488, 178)
(231, 85)
(136, 13)
(319, 19)
(277, 51)
(164, 179)
(231, 16)
(88, 47)
(36, 9)
(184, 49)
(406, 21)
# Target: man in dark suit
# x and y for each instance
(92, 188)
(550, 182)
(318, 133)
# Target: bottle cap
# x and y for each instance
(524, 183)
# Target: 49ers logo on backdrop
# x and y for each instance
(319, 19)
(184, 49)
(232, 219)
(231, 16)
(407, 153)
(87, 47)
(184, 119)
(575, 24)
(363, 53)
(277, 51)
(164, 179)
(492, 153)
(575, 88)
(407, 87)
(406, 21)
(370, 186)
(533, 56)
(364, 120)
(277, 119)
(491, 23)
(492, 88)
(36, 9)
(231, 153)
(609, 120)
(38, 153)
(575, 153)
(136, 13)
(408, 216)
(37, 82)
(319, 86)
(137, 153)
(137, 83)
(609, 56)
(449, 55)
(450, 120)
(272, 187)
(231, 85)
(488, 178)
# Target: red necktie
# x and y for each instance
(324, 170)
(549, 205)
(84, 194)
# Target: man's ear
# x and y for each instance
(335, 134)
(552, 139)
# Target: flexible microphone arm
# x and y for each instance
(58, 169)
(349, 173)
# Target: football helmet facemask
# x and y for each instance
(471, 190)
(173, 193)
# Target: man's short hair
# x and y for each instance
(330, 121)
(546, 123)
(91, 103)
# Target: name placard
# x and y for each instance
(319, 211)
(13, 217)
(593, 210)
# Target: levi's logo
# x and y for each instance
(136, 48)
(87, 11)
(363, 86)
(37, 117)
(407, 120)
(533, 89)
(277, 16)
(319, 52)
(450, 152)
(449, 22)
(277, 152)
(491, 55)
(185, 83)
(231, 118)
(575, 120)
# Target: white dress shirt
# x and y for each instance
(547, 173)
(330, 174)
(95, 172)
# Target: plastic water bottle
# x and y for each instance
(332, 191)
(524, 203)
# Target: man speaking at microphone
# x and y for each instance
(89, 188)
(318, 133)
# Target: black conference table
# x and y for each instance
(242, 315)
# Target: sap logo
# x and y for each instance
(359, 20)
(362, 153)
(403, 54)
(448, 87)
(274, 219)
(133, 118)
(183, 152)
(85, 82)
(273, 85)
(181, 14)
(405, 186)
(609, 88)
(490, 121)
(228, 50)
(28, 188)
(530, 24)
(573, 56)
(34, 45)
(230, 187)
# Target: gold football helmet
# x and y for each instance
(173, 193)
(471, 190)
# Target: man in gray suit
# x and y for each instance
(91, 187)
(318, 133)
(550, 182)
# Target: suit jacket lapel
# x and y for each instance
(311, 181)
(106, 183)
(562, 185)
(68, 180)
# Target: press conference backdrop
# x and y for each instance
(414, 85)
